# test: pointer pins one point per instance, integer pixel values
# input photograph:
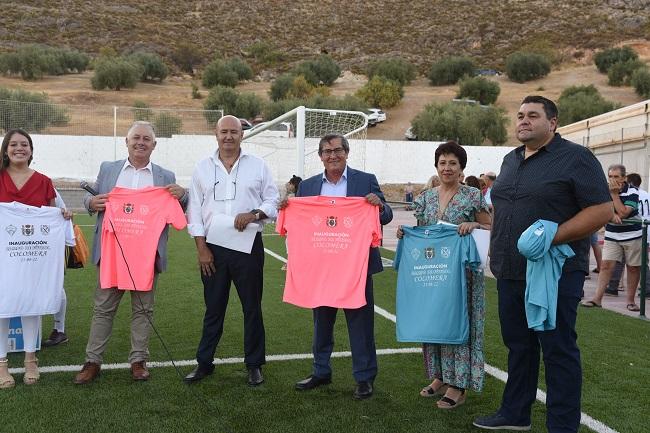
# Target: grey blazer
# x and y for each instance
(106, 180)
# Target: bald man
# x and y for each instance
(231, 195)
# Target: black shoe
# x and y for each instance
(255, 377)
(197, 374)
(363, 390)
(611, 292)
(312, 382)
(498, 422)
(55, 338)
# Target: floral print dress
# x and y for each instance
(460, 365)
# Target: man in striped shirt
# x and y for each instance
(622, 240)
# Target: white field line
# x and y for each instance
(217, 361)
(501, 375)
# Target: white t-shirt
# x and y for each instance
(32, 259)
(644, 204)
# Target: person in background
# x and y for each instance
(408, 193)
(473, 181)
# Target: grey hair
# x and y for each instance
(619, 167)
(328, 139)
(142, 123)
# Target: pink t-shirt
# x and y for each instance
(134, 220)
(329, 239)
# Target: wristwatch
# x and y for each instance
(257, 214)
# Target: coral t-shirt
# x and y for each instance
(328, 239)
(133, 222)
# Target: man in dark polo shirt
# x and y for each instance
(553, 179)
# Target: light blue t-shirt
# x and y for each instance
(431, 284)
(543, 270)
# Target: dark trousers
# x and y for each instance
(561, 356)
(246, 271)
(361, 331)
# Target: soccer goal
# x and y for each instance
(289, 142)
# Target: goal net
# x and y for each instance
(289, 143)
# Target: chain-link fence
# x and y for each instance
(103, 120)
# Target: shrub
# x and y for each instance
(480, 89)
(152, 65)
(395, 69)
(265, 53)
(218, 73)
(195, 91)
(247, 105)
(524, 66)
(34, 61)
(450, 69)
(581, 102)
(244, 72)
(300, 88)
(641, 82)
(381, 92)
(604, 60)
(141, 111)
(468, 124)
(347, 103)
(323, 70)
(29, 111)
(115, 74)
(166, 124)
(620, 73)
(281, 86)
(187, 56)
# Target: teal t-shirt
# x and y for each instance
(431, 284)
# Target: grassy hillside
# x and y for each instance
(352, 32)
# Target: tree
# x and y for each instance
(281, 86)
(395, 69)
(620, 73)
(152, 65)
(34, 61)
(468, 124)
(115, 73)
(641, 82)
(300, 88)
(581, 102)
(604, 60)
(166, 124)
(323, 70)
(247, 105)
(187, 56)
(450, 69)
(523, 66)
(479, 89)
(218, 73)
(381, 92)
(244, 72)
(141, 111)
(30, 111)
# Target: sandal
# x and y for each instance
(449, 403)
(590, 304)
(428, 390)
(31, 372)
(6, 380)
(633, 307)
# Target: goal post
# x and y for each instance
(290, 141)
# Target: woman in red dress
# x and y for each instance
(18, 182)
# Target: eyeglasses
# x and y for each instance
(224, 196)
(339, 151)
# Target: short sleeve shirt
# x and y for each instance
(554, 184)
(37, 191)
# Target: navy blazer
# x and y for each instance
(360, 184)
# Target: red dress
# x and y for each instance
(37, 191)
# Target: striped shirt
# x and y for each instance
(629, 196)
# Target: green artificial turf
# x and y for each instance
(615, 353)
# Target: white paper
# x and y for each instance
(482, 240)
(222, 232)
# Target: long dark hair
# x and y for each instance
(5, 146)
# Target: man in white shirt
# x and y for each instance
(232, 192)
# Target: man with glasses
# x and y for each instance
(339, 180)
(231, 195)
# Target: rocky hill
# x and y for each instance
(351, 31)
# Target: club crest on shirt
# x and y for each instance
(28, 229)
(445, 252)
(11, 229)
(144, 209)
(127, 208)
(316, 220)
(45, 229)
(429, 253)
(331, 221)
(347, 222)
(415, 253)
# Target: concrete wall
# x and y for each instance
(79, 157)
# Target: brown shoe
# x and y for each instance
(88, 373)
(139, 371)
